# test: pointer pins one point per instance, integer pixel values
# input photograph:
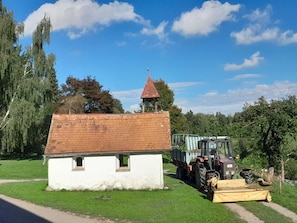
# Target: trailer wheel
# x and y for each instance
(177, 173)
(181, 173)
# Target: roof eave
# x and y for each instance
(103, 153)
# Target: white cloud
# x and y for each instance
(134, 108)
(260, 16)
(81, 15)
(259, 29)
(128, 95)
(159, 31)
(233, 100)
(75, 35)
(254, 61)
(211, 93)
(288, 37)
(204, 20)
(255, 33)
(244, 76)
(181, 85)
(121, 43)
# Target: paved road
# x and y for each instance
(16, 211)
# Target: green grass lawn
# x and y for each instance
(288, 197)
(22, 169)
(179, 203)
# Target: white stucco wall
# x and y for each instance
(100, 173)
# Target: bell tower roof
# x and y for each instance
(149, 90)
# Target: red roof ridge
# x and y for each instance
(149, 90)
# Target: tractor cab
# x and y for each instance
(215, 147)
(217, 155)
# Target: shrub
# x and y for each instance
(253, 161)
(291, 169)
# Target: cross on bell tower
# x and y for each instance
(150, 94)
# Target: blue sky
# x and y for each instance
(215, 55)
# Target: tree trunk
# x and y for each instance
(280, 187)
(282, 170)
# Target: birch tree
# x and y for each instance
(10, 62)
(29, 86)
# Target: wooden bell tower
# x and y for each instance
(150, 95)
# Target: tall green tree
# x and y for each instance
(272, 124)
(117, 106)
(209, 124)
(11, 63)
(177, 120)
(165, 102)
(166, 99)
(29, 87)
(42, 77)
(86, 96)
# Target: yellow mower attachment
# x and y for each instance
(237, 190)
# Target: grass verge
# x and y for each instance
(22, 169)
(179, 203)
(287, 198)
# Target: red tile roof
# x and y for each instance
(108, 133)
(149, 90)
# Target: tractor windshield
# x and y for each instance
(225, 149)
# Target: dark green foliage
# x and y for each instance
(177, 120)
(86, 96)
(165, 103)
(264, 133)
(10, 62)
(291, 169)
(166, 99)
(117, 106)
(209, 125)
(253, 161)
(271, 125)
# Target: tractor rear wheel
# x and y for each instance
(197, 177)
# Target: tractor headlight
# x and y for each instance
(227, 173)
(230, 165)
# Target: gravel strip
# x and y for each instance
(282, 210)
(243, 213)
